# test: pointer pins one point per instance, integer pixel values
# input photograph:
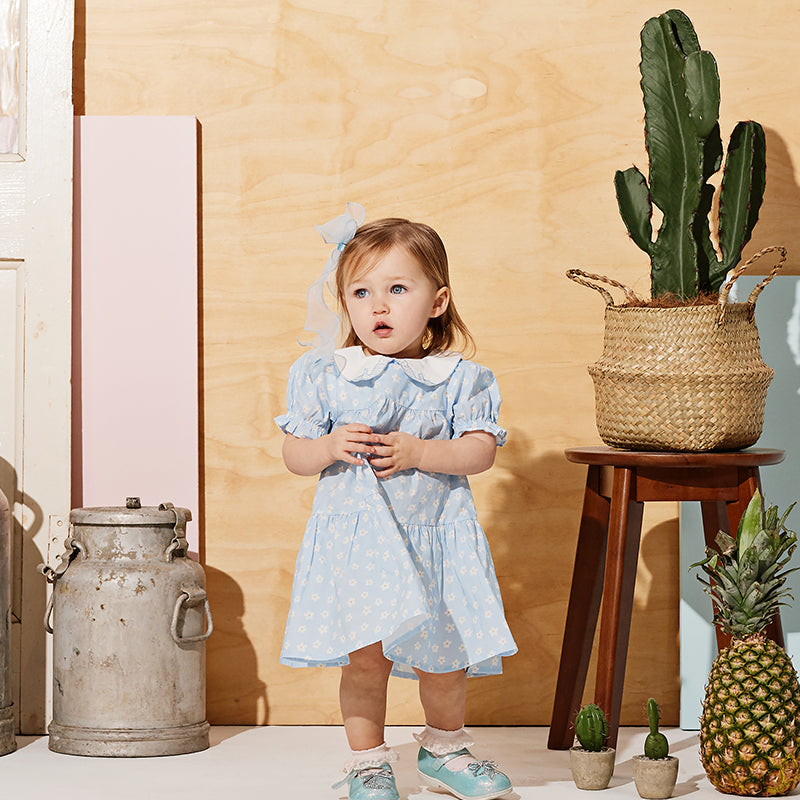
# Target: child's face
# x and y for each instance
(390, 305)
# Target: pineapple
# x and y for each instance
(749, 732)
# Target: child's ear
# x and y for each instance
(440, 302)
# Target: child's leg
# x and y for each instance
(444, 762)
(444, 698)
(362, 697)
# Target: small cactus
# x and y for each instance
(591, 727)
(655, 745)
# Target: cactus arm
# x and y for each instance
(668, 142)
(741, 193)
(675, 158)
(701, 230)
(635, 208)
(652, 715)
(707, 262)
(702, 91)
(683, 30)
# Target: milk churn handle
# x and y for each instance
(191, 596)
(178, 540)
(72, 548)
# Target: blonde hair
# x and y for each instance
(371, 242)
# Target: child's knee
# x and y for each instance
(370, 659)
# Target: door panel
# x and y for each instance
(35, 319)
(12, 208)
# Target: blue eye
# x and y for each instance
(397, 289)
(360, 293)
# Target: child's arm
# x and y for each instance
(311, 456)
(469, 454)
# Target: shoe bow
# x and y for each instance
(483, 768)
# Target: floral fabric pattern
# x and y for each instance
(402, 560)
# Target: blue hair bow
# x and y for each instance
(319, 317)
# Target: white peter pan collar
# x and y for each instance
(355, 365)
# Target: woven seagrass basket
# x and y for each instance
(689, 378)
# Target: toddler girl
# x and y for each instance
(394, 575)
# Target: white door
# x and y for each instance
(35, 318)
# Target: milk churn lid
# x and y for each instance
(133, 513)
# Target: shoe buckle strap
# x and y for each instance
(440, 761)
(482, 767)
(347, 779)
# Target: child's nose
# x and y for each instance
(380, 305)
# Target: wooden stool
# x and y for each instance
(618, 484)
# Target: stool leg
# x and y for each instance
(624, 533)
(584, 605)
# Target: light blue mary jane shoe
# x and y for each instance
(468, 779)
(371, 783)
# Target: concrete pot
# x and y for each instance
(655, 778)
(592, 769)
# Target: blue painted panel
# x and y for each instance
(778, 320)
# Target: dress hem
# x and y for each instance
(492, 665)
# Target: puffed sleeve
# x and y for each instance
(307, 409)
(476, 402)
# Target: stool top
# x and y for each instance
(611, 456)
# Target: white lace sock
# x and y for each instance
(442, 743)
(373, 757)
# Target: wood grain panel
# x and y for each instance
(501, 124)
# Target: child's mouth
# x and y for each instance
(381, 329)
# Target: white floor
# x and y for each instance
(301, 763)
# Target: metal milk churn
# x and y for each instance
(7, 740)
(130, 618)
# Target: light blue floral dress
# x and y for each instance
(402, 560)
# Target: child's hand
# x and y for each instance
(342, 442)
(395, 452)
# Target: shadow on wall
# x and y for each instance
(777, 219)
(235, 694)
(533, 531)
(27, 518)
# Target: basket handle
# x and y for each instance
(585, 278)
(726, 288)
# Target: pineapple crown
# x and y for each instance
(746, 583)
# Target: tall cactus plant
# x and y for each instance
(680, 88)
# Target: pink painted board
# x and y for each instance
(135, 354)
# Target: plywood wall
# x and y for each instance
(500, 123)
